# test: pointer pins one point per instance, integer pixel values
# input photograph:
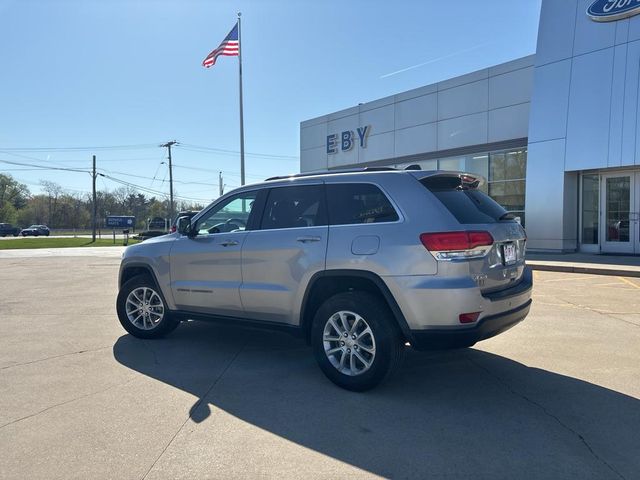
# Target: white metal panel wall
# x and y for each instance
(550, 101)
(484, 106)
(585, 97)
(556, 31)
(508, 122)
(589, 111)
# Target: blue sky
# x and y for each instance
(95, 73)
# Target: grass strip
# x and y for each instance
(45, 242)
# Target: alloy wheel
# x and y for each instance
(144, 308)
(349, 343)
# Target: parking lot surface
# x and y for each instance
(558, 396)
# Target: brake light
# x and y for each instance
(448, 241)
(452, 245)
(173, 229)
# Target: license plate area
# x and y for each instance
(509, 255)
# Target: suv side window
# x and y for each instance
(290, 207)
(354, 203)
(228, 216)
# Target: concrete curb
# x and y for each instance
(612, 270)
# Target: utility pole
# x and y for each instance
(220, 185)
(95, 204)
(168, 146)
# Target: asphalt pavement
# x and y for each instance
(558, 396)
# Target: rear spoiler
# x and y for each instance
(447, 178)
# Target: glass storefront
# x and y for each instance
(504, 170)
(590, 208)
(610, 211)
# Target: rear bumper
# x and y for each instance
(434, 339)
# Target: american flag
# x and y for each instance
(229, 47)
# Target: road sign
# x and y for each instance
(120, 221)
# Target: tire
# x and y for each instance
(382, 346)
(157, 322)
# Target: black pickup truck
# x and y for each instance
(8, 229)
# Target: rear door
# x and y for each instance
(474, 210)
(280, 257)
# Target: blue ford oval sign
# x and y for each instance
(611, 10)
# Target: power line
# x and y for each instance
(113, 172)
(142, 146)
(216, 171)
(79, 149)
(108, 160)
(149, 190)
(33, 158)
(44, 167)
(139, 187)
(200, 148)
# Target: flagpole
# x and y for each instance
(241, 113)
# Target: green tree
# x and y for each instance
(13, 196)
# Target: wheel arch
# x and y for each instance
(331, 282)
(131, 270)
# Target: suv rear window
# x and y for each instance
(353, 203)
(468, 205)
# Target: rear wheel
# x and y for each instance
(356, 341)
(142, 310)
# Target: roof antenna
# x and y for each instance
(413, 166)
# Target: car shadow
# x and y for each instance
(448, 414)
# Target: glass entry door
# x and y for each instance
(620, 196)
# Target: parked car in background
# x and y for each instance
(35, 231)
(157, 223)
(6, 229)
(185, 213)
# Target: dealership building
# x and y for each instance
(555, 134)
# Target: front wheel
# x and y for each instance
(356, 341)
(142, 310)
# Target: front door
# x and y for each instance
(206, 270)
(620, 194)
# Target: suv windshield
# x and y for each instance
(466, 203)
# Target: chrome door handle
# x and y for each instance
(308, 239)
(229, 243)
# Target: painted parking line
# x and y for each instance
(629, 282)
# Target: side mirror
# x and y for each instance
(184, 226)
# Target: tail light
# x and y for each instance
(173, 229)
(457, 245)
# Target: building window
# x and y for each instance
(506, 180)
(590, 208)
(504, 170)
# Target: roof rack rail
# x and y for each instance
(351, 170)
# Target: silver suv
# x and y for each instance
(360, 263)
